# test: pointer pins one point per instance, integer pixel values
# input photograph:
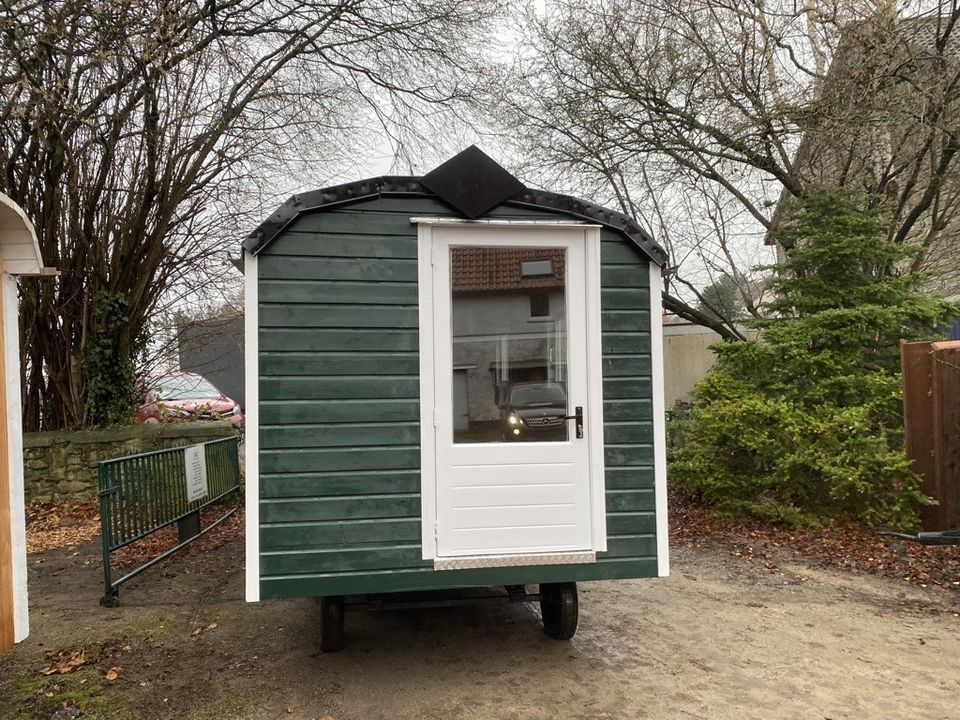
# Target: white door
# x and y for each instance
(517, 475)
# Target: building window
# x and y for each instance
(539, 305)
(536, 268)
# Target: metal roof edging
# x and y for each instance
(401, 186)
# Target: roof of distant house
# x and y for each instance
(477, 269)
(924, 31)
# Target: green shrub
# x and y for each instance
(805, 423)
(749, 454)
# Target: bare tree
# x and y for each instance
(696, 116)
(134, 133)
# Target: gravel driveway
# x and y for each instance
(721, 638)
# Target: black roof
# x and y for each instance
(471, 183)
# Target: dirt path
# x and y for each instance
(722, 638)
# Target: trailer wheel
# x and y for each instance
(331, 623)
(560, 609)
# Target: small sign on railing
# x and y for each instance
(195, 463)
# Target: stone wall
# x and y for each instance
(63, 464)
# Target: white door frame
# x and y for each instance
(428, 409)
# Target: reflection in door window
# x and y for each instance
(509, 344)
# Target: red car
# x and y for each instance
(179, 397)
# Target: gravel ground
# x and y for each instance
(721, 638)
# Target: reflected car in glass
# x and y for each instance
(181, 397)
(534, 411)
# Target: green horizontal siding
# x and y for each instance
(342, 387)
(630, 501)
(341, 507)
(349, 246)
(627, 406)
(631, 366)
(380, 581)
(631, 455)
(290, 292)
(623, 275)
(629, 478)
(628, 432)
(339, 415)
(335, 436)
(625, 343)
(339, 340)
(626, 320)
(629, 523)
(292, 412)
(331, 363)
(340, 458)
(627, 410)
(344, 559)
(374, 317)
(360, 482)
(300, 267)
(338, 533)
(624, 298)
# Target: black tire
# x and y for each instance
(560, 609)
(331, 624)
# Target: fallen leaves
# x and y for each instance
(69, 524)
(197, 631)
(63, 524)
(149, 547)
(65, 661)
(845, 546)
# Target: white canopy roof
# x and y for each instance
(19, 249)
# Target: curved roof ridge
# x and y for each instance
(410, 186)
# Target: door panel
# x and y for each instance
(512, 477)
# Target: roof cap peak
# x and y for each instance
(472, 182)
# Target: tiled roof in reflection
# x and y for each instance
(479, 269)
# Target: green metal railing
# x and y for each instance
(140, 494)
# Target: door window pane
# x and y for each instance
(509, 344)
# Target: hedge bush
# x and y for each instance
(805, 424)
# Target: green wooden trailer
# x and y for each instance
(453, 381)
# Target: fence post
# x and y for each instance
(109, 598)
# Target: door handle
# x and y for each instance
(578, 418)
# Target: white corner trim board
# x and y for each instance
(598, 487)
(428, 457)
(252, 427)
(659, 421)
(21, 622)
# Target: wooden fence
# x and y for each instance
(931, 409)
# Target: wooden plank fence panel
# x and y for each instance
(931, 409)
(946, 374)
(918, 420)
